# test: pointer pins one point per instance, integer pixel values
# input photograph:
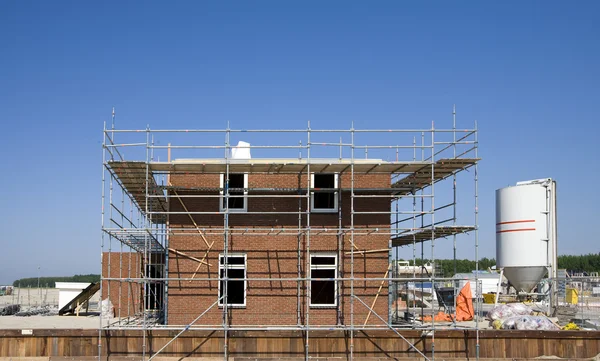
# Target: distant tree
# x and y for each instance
(582, 263)
(51, 281)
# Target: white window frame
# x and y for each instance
(335, 197)
(333, 267)
(233, 266)
(222, 195)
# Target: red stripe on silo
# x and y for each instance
(516, 230)
(521, 221)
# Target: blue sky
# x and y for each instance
(526, 71)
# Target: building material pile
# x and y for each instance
(9, 310)
(501, 312)
(526, 323)
(44, 311)
(518, 316)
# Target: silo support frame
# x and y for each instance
(499, 287)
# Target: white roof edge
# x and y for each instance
(72, 285)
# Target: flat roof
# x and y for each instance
(72, 285)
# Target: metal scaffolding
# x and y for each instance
(139, 203)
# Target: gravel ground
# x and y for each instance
(51, 322)
(32, 298)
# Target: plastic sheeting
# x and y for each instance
(501, 312)
(525, 323)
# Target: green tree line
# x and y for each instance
(447, 266)
(51, 281)
(582, 263)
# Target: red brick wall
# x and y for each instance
(266, 202)
(276, 256)
(125, 296)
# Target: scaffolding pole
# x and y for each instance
(307, 252)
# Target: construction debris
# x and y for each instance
(502, 312)
(44, 311)
(10, 310)
(525, 323)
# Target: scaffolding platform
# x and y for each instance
(138, 239)
(133, 176)
(435, 172)
(427, 234)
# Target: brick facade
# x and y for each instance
(126, 297)
(276, 302)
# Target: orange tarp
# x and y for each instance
(464, 304)
(464, 307)
(441, 316)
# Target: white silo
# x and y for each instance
(526, 232)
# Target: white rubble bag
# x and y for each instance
(106, 309)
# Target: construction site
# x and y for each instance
(313, 243)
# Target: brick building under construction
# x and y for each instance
(204, 234)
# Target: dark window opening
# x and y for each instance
(323, 291)
(236, 286)
(234, 260)
(317, 261)
(324, 195)
(236, 199)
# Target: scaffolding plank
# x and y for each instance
(132, 176)
(431, 173)
(138, 240)
(426, 234)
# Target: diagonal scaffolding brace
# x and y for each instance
(391, 328)
(187, 327)
(209, 246)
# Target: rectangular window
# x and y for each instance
(323, 292)
(324, 193)
(236, 286)
(238, 191)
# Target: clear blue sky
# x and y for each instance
(527, 71)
